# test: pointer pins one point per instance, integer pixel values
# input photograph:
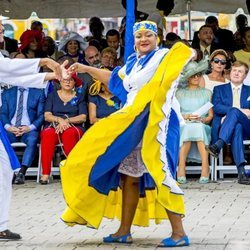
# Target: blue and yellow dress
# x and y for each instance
(90, 177)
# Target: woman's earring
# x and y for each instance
(135, 48)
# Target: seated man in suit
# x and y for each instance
(22, 116)
(7, 43)
(206, 42)
(114, 41)
(231, 122)
(223, 38)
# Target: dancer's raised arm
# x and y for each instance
(99, 74)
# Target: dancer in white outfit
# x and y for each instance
(18, 72)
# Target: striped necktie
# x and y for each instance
(20, 108)
(236, 99)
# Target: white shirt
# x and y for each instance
(21, 72)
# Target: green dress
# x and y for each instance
(190, 101)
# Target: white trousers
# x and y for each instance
(6, 175)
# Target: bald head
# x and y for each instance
(92, 56)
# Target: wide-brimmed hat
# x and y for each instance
(72, 36)
(193, 68)
(28, 36)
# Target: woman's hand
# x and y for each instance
(53, 65)
(194, 117)
(62, 125)
(78, 68)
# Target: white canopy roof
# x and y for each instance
(21, 9)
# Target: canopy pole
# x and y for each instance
(188, 7)
(129, 37)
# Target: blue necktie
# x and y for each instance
(19, 108)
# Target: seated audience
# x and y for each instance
(241, 23)
(114, 41)
(109, 58)
(218, 61)
(31, 44)
(96, 28)
(197, 129)
(22, 116)
(206, 42)
(223, 38)
(65, 114)
(6, 43)
(231, 118)
(36, 25)
(243, 54)
(73, 45)
(49, 47)
(171, 39)
(101, 102)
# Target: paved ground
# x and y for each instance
(218, 217)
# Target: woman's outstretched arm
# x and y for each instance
(98, 74)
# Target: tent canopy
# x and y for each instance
(22, 9)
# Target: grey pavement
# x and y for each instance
(217, 217)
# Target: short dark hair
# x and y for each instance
(205, 26)
(113, 32)
(211, 19)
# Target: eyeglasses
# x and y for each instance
(217, 60)
(196, 75)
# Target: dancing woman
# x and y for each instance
(143, 187)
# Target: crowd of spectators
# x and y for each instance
(64, 111)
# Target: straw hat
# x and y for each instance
(72, 36)
(193, 68)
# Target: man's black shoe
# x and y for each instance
(212, 150)
(243, 179)
(8, 235)
(20, 178)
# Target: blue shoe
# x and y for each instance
(127, 239)
(204, 180)
(169, 242)
(182, 180)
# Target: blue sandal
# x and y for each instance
(169, 242)
(127, 239)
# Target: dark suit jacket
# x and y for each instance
(223, 40)
(222, 100)
(35, 106)
(11, 45)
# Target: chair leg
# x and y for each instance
(39, 168)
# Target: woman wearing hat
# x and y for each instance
(31, 43)
(197, 128)
(219, 61)
(65, 114)
(143, 187)
(73, 45)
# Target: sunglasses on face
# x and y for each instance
(217, 60)
(197, 75)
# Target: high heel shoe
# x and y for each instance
(127, 239)
(44, 182)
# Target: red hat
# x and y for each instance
(78, 81)
(28, 36)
